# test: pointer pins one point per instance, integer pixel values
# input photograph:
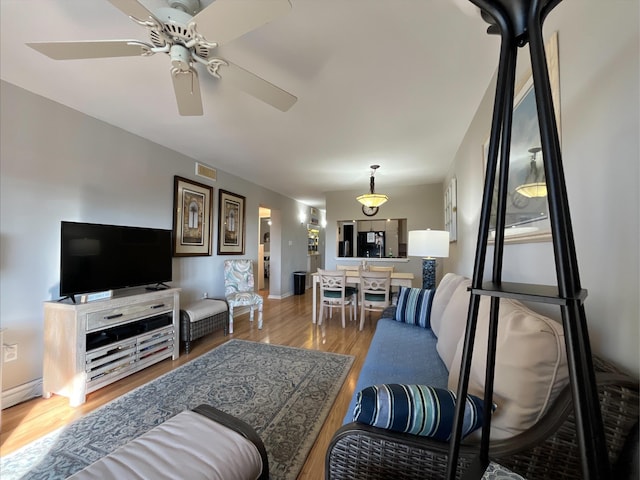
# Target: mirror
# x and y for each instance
(372, 238)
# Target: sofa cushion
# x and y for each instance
(416, 409)
(413, 306)
(453, 322)
(400, 353)
(445, 289)
(530, 367)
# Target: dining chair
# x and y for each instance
(239, 289)
(373, 268)
(334, 293)
(374, 293)
(348, 267)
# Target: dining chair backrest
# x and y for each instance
(373, 268)
(332, 281)
(334, 291)
(374, 292)
(348, 267)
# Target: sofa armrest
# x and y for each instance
(547, 450)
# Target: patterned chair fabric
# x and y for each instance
(239, 289)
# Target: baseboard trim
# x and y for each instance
(21, 393)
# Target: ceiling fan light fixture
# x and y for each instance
(180, 58)
(535, 185)
(372, 199)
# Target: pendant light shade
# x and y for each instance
(535, 185)
(372, 199)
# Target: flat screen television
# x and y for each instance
(96, 258)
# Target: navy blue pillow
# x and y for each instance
(416, 409)
(414, 306)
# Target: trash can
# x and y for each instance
(299, 281)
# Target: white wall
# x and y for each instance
(599, 90)
(58, 164)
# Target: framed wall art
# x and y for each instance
(451, 211)
(192, 218)
(231, 223)
(527, 214)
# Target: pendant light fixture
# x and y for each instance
(372, 199)
(535, 185)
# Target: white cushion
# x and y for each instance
(445, 289)
(205, 308)
(531, 366)
(188, 445)
(453, 322)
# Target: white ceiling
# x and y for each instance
(391, 82)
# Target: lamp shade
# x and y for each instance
(372, 199)
(428, 243)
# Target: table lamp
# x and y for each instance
(428, 244)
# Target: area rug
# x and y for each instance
(285, 393)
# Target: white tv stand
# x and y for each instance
(90, 345)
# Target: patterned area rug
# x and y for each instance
(285, 393)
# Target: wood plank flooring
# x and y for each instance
(286, 322)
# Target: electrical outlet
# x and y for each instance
(10, 352)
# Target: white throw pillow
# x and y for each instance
(531, 366)
(441, 299)
(453, 322)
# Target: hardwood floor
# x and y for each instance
(286, 322)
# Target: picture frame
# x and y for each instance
(192, 218)
(527, 219)
(451, 210)
(231, 223)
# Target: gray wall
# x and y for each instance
(599, 90)
(58, 164)
(421, 205)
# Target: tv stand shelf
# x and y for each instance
(90, 345)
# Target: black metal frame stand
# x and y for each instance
(519, 22)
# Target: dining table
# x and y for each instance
(398, 279)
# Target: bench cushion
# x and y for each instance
(188, 445)
(205, 308)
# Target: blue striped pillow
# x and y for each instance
(414, 306)
(416, 409)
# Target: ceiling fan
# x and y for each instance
(181, 31)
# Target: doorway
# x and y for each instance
(264, 249)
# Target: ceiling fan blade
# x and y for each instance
(187, 89)
(256, 86)
(225, 20)
(97, 49)
(132, 8)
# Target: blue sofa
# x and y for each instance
(386, 360)
(533, 428)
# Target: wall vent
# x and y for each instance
(206, 171)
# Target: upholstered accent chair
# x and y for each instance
(239, 289)
(334, 293)
(375, 292)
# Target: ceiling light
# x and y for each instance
(372, 199)
(535, 185)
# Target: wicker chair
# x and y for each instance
(549, 450)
